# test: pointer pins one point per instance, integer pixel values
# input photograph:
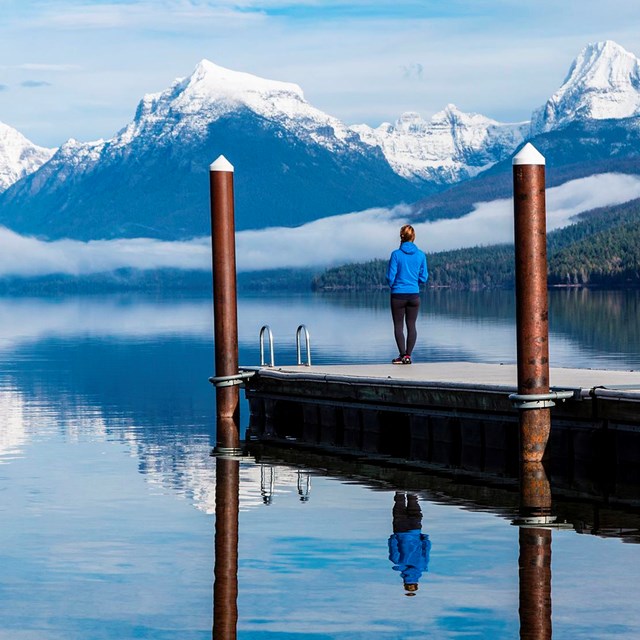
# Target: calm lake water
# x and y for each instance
(108, 488)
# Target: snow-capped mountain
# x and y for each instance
(190, 105)
(185, 111)
(18, 156)
(450, 147)
(603, 83)
(293, 164)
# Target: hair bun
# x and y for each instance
(407, 233)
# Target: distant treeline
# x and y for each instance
(601, 248)
(154, 281)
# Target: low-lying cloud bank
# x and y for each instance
(374, 233)
(351, 237)
(26, 256)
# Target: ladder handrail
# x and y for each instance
(272, 359)
(302, 328)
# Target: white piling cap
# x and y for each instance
(221, 164)
(528, 155)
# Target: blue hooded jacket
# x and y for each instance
(409, 552)
(407, 269)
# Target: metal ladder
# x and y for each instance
(267, 330)
(307, 339)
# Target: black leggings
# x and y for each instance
(405, 309)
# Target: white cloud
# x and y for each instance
(21, 255)
(41, 66)
(170, 15)
(373, 234)
(351, 237)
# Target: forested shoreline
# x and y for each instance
(601, 249)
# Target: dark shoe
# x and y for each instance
(406, 359)
(398, 360)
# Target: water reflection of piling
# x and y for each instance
(225, 310)
(532, 317)
(534, 562)
(225, 588)
(535, 583)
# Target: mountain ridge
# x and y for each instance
(160, 190)
(450, 147)
(295, 163)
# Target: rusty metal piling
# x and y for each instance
(225, 304)
(532, 315)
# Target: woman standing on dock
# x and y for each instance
(407, 270)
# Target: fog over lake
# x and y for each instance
(352, 237)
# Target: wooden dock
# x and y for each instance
(449, 387)
(454, 414)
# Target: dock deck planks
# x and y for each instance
(497, 377)
(599, 394)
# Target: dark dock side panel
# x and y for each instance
(453, 415)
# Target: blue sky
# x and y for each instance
(77, 68)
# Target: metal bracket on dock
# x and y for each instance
(230, 381)
(540, 522)
(539, 400)
(232, 453)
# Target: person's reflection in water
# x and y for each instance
(408, 546)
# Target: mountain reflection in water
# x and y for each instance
(109, 490)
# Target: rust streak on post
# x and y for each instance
(225, 311)
(532, 313)
(535, 490)
(225, 586)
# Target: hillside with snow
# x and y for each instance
(18, 156)
(450, 147)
